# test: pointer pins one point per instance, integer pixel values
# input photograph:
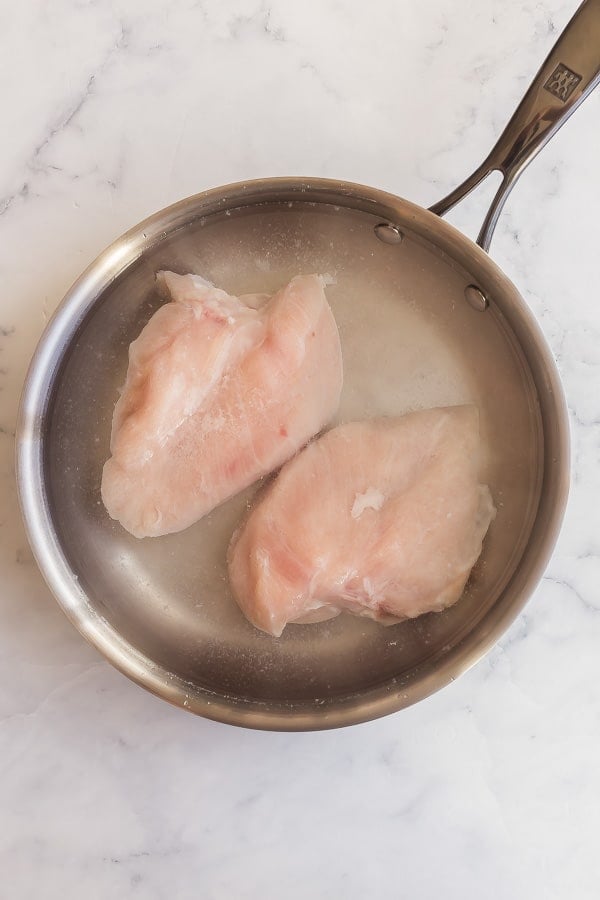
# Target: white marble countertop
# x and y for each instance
(487, 789)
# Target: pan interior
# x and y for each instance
(409, 339)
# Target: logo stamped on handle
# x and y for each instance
(562, 82)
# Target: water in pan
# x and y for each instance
(409, 341)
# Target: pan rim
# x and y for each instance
(85, 292)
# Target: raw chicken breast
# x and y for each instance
(220, 390)
(383, 518)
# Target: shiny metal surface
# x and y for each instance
(160, 609)
(570, 72)
(476, 298)
(389, 234)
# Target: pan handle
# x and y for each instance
(569, 74)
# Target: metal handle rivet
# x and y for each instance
(476, 298)
(389, 234)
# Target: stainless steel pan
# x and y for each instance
(426, 318)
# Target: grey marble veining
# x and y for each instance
(489, 788)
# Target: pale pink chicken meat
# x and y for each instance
(220, 390)
(383, 518)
